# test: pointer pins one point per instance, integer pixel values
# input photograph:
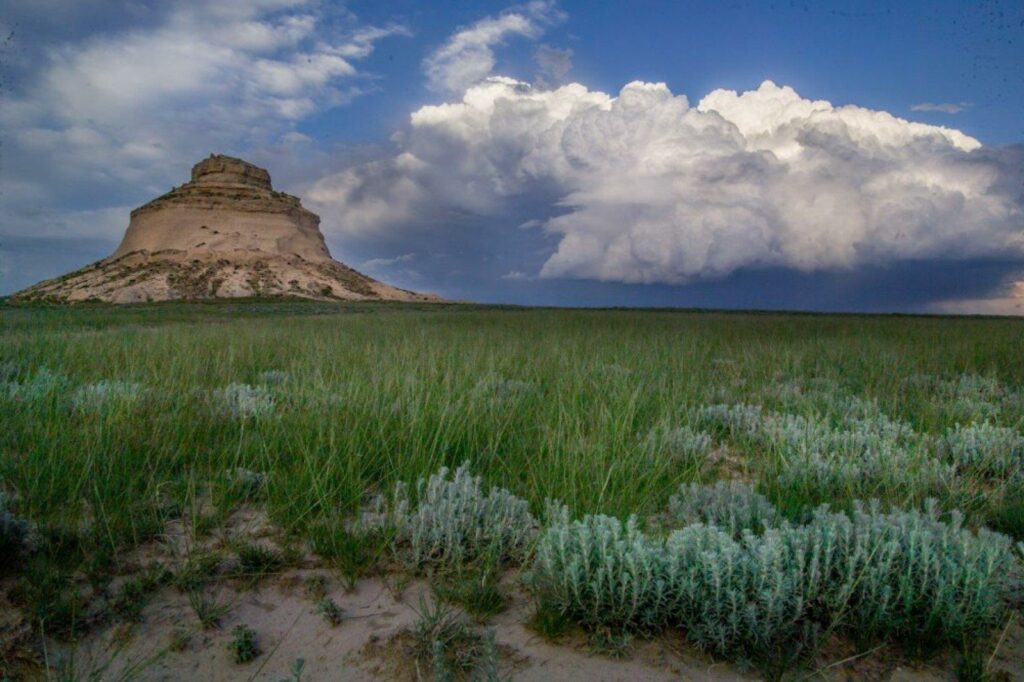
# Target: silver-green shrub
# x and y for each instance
(864, 454)
(600, 572)
(242, 401)
(106, 394)
(898, 574)
(861, 457)
(826, 474)
(449, 522)
(737, 421)
(682, 444)
(42, 384)
(984, 448)
(733, 506)
(906, 574)
(273, 377)
(971, 397)
(856, 434)
(746, 598)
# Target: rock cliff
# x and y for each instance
(225, 234)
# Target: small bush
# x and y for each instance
(242, 401)
(600, 572)
(685, 445)
(316, 586)
(43, 384)
(244, 645)
(106, 394)
(549, 622)
(452, 522)
(329, 609)
(499, 390)
(273, 377)
(737, 422)
(984, 449)
(747, 598)
(352, 551)
(971, 397)
(732, 506)
(908, 575)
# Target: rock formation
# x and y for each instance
(225, 234)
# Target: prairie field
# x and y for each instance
(788, 495)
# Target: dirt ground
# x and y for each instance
(168, 642)
(367, 645)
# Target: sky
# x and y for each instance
(788, 155)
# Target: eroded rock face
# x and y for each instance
(225, 234)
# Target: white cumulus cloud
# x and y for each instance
(644, 187)
(131, 107)
(467, 57)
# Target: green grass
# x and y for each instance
(561, 404)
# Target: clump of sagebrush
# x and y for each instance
(971, 397)
(450, 522)
(733, 506)
(865, 455)
(900, 574)
(17, 535)
(243, 401)
(43, 383)
(600, 572)
(824, 475)
(499, 390)
(738, 422)
(685, 444)
(984, 449)
(745, 598)
(273, 377)
(908, 575)
(106, 394)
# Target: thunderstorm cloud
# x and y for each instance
(643, 187)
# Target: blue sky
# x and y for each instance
(542, 180)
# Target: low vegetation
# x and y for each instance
(759, 484)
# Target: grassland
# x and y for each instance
(117, 421)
